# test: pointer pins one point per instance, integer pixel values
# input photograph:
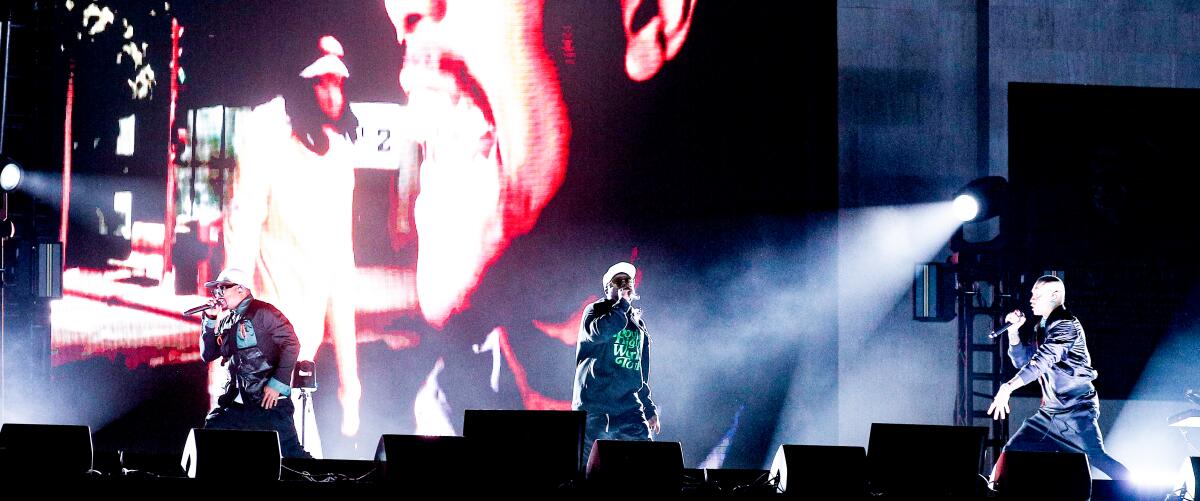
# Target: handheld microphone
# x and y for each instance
(998, 332)
(197, 309)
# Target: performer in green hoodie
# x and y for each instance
(612, 365)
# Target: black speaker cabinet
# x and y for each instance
(636, 466)
(424, 461)
(821, 471)
(44, 450)
(209, 454)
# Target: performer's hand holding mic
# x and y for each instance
(1013, 320)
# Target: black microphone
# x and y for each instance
(205, 306)
(197, 309)
(996, 333)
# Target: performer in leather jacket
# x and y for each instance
(1056, 355)
(258, 347)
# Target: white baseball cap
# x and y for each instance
(330, 61)
(326, 64)
(616, 269)
(231, 276)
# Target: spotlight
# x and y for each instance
(981, 199)
(965, 207)
(10, 175)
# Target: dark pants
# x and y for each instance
(629, 425)
(253, 417)
(1071, 431)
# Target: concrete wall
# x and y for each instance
(907, 113)
(907, 136)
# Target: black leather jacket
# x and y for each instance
(271, 357)
(1057, 356)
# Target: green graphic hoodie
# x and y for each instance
(612, 361)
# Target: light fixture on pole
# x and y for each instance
(10, 174)
(10, 178)
(981, 199)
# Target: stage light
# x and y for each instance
(10, 175)
(1159, 479)
(10, 178)
(965, 207)
(981, 199)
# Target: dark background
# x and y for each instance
(1101, 186)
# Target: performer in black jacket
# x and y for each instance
(258, 346)
(1057, 357)
(613, 365)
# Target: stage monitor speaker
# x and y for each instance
(1022, 475)
(645, 468)
(1190, 484)
(44, 450)
(933, 293)
(821, 471)
(210, 453)
(539, 447)
(424, 461)
(910, 461)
